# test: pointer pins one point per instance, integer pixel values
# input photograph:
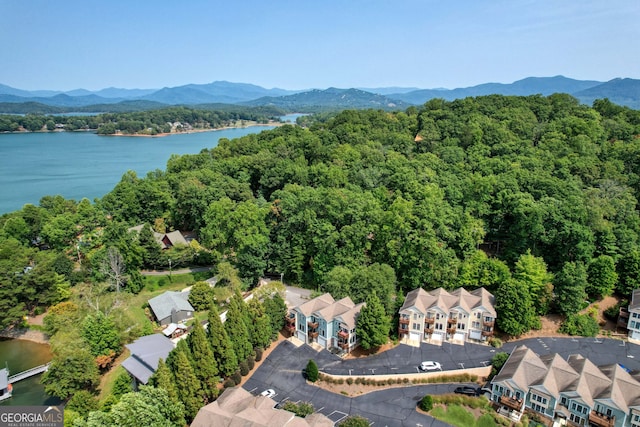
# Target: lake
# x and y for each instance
(84, 164)
(18, 356)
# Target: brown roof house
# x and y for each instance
(439, 315)
(572, 391)
(326, 322)
(236, 407)
(167, 240)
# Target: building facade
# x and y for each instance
(572, 392)
(326, 322)
(633, 318)
(438, 315)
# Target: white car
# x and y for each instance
(268, 393)
(430, 366)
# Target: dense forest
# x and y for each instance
(535, 198)
(152, 122)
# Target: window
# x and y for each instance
(461, 326)
(416, 326)
(635, 420)
(439, 326)
(415, 316)
(576, 419)
(538, 408)
(475, 325)
(478, 315)
(563, 401)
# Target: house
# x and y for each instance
(5, 386)
(167, 240)
(573, 391)
(146, 352)
(174, 330)
(633, 316)
(438, 315)
(171, 307)
(326, 322)
(237, 407)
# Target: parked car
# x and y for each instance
(430, 366)
(469, 391)
(268, 393)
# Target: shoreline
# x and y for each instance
(25, 334)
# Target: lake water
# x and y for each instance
(84, 164)
(18, 356)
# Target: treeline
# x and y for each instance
(530, 197)
(151, 122)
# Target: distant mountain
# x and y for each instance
(8, 90)
(61, 100)
(389, 90)
(216, 92)
(331, 98)
(619, 91)
(529, 86)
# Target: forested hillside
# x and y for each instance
(533, 197)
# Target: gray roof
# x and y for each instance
(165, 303)
(146, 352)
(4, 378)
(439, 298)
(635, 300)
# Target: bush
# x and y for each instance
(229, 382)
(354, 421)
(349, 380)
(244, 368)
(236, 377)
(258, 352)
(83, 402)
(495, 342)
(426, 403)
(301, 409)
(312, 371)
(251, 363)
(580, 324)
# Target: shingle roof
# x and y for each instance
(337, 308)
(315, 304)
(522, 369)
(445, 301)
(349, 317)
(165, 303)
(146, 352)
(237, 407)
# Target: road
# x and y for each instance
(282, 371)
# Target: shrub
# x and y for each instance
(251, 363)
(580, 324)
(354, 421)
(495, 342)
(236, 377)
(229, 382)
(244, 368)
(258, 352)
(349, 380)
(426, 403)
(301, 409)
(312, 371)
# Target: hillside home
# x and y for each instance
(574, 392)
(436, 316)
(167, 240)
(171, 307)
(326, 322)
(633, 322)
(146, 352)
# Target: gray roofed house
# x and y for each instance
(146, 352)
(171, 307)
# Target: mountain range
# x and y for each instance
(622, 91)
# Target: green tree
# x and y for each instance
(516, 313)
(163, 378)
(532, 271)
(629, 273)
(72, 369)
(373, 324)
(580, 324)
(497, 362)
(205, 365)
(82, 402)
(221, 346)
(602, 276)
(100, 332)
(311, 371)
(236, 327)
(188, 386)
(426, 403)
(149, 244)
(570, 284)
(201, 296)
(276, 309)
(122, 384)
(258, 324)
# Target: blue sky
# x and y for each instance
(70, 44)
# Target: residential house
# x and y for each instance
(326, 322)
(174, 330)
(146, 352)
(171, 307)
(237, 407)
(167, 240)
(574, 392)
(633, 317)
(438, 315)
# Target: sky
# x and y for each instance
(303, 44)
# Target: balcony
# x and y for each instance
(344, 345)
(290, 327)
(404, 320)
(430, 320)
(451, 331)
(452, 321)
(313, 334)
(511, 403)
(487, 333)
(291, 320)
(488, 324)
(601, 420)
(312, 325)
(402, 331)
(344, 334)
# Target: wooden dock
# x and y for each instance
(28, 373)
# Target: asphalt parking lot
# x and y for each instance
(282, 371)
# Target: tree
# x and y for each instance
(629, 273)
(150, 246)
(426, 403)
(201, 296)
(204, 364)
(602, 276)
(373, 324)
(532, 271)
(163, 378)
(497, 362)
(570, 284)
(122, 384)
(258, 324)
(221, 346)
(113, 267)
(82, 402)
(311, 371)
(516, 313)
(276, 309)
(100, 332)
(236, 328)
(72, 369)
(187, 385)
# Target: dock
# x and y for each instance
(28, 373)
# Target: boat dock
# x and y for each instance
(28, 373)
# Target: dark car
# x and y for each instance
(469, 391)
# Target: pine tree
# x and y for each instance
(236, 327)
(220, 344)
(259, 325)
(163, 378)
(276, 308)
(204, 364)
(188, 386)
(150, 246)
(373, 324)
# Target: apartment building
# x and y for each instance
(325, 322)
(633, 317)
(437, 316)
